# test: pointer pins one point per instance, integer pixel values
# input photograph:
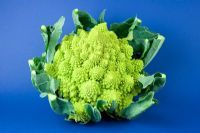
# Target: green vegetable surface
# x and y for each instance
(97, 69)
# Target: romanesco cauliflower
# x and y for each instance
(97, 69)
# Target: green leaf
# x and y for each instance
(142, 28)
(142, 41)
(97, 115)
(113, 107)
(134, 109)
(146, 80)
(45, 32)
(54, 37)
(101, 16)
(53, 84)
(42, 95)
(59, 105)
(159, 81)
(145, 43)
(111, 110)
(37, 64)
(51, 35)
(153, 82)
(83, 20)
(44, 83)
(135, 23)
(156, 45)
(140, 47)
(125, 28)
(94, 113)
(40, 79)
(143, 33)
(101, 105)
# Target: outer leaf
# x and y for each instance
(146, 80)
(101, 105)
(135, 23)
(42, 95)
(140, 47)
(142, 28)
(134, 109)
(94, 113)
(146, 44)
(53, 84)
(156, 45)
(83, 20)
(101, 16)
(45, 32)
(60, 106)
(40, 79)
(37, 64)
(153, 82)
(111, 111)
(123, 29)
(142, 41)
(143, 33)
(44, 83)
(75, 16)
(97, 115)
(159, 81)
(36, 67)
(113, 107)
(53, 37)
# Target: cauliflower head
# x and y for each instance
(96, 65)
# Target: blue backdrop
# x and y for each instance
(21, 108)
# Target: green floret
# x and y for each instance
(111, 95)
(95, 65)
(112, 80)
(89, 90)
(80, 113)
(97, 73)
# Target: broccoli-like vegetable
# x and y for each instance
(96, 69)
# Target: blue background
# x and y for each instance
(21, 108)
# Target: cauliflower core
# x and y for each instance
(95, 65)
